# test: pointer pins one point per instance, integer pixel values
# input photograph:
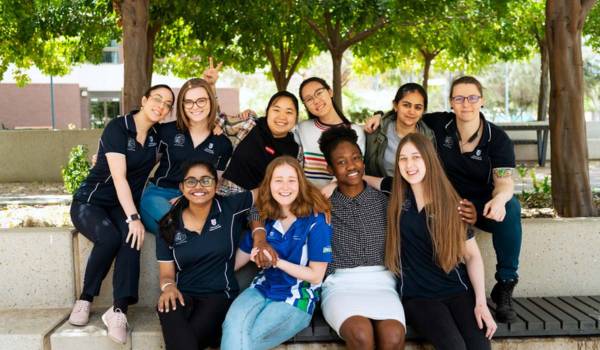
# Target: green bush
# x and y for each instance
(77, 168)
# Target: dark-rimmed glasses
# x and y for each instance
(201, 102)
(461, 99)
(204, 181)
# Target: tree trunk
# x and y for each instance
(544, 93)
(336, 57)
(150, 40)
(135, 15)
(571, 192)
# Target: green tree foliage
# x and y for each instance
(53, 35)
(592, 28)
(77, 169)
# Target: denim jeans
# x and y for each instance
(254, 322)
(155, 204)
(506, 237)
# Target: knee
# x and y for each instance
(359, 335)
(391, 337)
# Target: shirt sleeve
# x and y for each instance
(246, 242)
(361, 137)
(386, 184)
(240, 201)
(502, 151)
(319, 240)
(164, 253)
(114, 138)
(227, 151)
(470, 232)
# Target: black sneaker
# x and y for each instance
(502, 297)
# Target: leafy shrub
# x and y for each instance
(77, 168)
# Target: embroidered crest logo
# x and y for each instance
(131, 144)
(213, 222)
(151, 141)
(476, 155)
(448, 142)
(210, 145)
(179, 140)
(179, 238)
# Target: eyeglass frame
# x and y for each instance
(311, 98)
(193, 103)
(476, 98)
(208, 181)
(158, 99)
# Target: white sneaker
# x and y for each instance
(116, 323)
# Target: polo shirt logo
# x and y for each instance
(327, 250)
(448, 142)
(179, 140)
(179, 238)
(209, 149)
(406, 205)
(131, 144)
(214, 225)
(151, 141)
(477, 155)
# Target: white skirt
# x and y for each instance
(368, 291)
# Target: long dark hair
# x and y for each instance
(169, 223)
(325, 85)
(405, 90)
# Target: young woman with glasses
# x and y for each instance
(196, 251)
(323, 114)
(479, 159)
(105, 209)
(190, 137)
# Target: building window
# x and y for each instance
(110, 54)
(103, 111)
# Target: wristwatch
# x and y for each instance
(132, 217)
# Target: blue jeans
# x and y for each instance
(254, 322)
(506, 237)
(155, 204)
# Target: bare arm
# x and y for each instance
(169, 292)
(118, 170)
(313, 273)
(474, 264)
(373, 181)
(503, 191)
(241, 259)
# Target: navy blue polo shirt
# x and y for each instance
(177, 146)
(119, 137)
(421, 276)
(307, 239)
(205, 261)
(471, 172)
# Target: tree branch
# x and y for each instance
(318, 31)
(381, 22)
(586, 6)
(295, 64)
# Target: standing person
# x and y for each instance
(196, 250)
(270, 138)
(105, 209)
(323, 114)
(440, 269)
(360, 301)
(190, 137)
(479, 159)
(281, 299)
(409, 104)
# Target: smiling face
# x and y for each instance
(199, 193)
(158, 105)
(196, 105)
(409, 109)
(317, 99)
(281, 116)
(284, 185)
(466, 111)
(347, 164)
(411, 164)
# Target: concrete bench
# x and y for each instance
(540, 127)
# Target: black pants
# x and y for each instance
(107, 229)
(447, 323)
(197, 325)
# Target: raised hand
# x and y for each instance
(211, 74)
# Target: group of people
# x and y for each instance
(374, 225)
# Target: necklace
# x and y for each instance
(472, 137)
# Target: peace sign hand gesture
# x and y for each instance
(211, 74)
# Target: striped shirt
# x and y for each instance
(315, 165)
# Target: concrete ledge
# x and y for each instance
(29, 329)
(558, 257)
(36, 268)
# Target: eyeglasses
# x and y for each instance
(158, 100)
(201, 102)
(461, 99)
(319, 93)
(204, 181)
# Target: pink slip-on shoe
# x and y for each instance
(116, 323)
(80, 315)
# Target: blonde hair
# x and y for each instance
(309, 199)
(447, 230)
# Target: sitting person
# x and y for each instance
(195, 251)
(281, 299)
